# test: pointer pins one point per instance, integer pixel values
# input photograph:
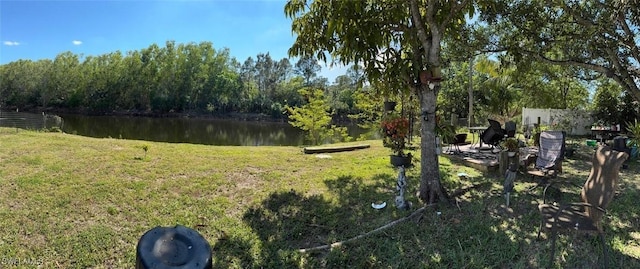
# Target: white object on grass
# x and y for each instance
(379, 206)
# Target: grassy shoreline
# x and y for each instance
(78, 202)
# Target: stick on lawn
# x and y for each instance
(390, 224)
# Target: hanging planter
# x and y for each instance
(389, 105)
(436, 74)
(400, 160)
(431, 75)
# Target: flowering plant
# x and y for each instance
(395, 130)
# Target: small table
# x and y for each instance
(476, 130)
(604, 135)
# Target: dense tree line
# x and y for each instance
(198, 79)
(181, 78)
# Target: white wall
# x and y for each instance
(574, 122)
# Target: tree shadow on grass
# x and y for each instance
(292, 220)
(287, 221)
(477, 232)
(578, 250)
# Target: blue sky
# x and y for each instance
(43, 29)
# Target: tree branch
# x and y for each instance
(434, 52)
(388, 225)
(629, 42)
(419, 26)
(453, 9)
(622, 78)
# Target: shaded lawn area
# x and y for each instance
(75, 202)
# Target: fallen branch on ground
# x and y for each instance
(462, 191)
(388, 225)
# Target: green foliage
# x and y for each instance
(174, 78)
(398, 44)
(511, 144)
(629, 109)
(308, 68)
(314, 117)
(499, 91)
(454, 95)
(53, 129)
(634, 129)
(395, 130)
(537, 130)
(550, 86)
(592, 38)
(385, 43)
(446, 131)
(145, 148)
(368, 115)
(605, 104)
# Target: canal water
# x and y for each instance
(175, 130)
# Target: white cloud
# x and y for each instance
(77, 42)
(11, 43)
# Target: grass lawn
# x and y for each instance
(68, 201)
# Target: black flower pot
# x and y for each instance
(400, 160)
(389, 105)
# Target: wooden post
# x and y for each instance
(504, 160)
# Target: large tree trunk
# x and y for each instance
(431, 190)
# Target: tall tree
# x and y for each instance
(605, 104)
(454, 92)
(248, 79)
(398, 43)
(20, 82)
(597, 37)
(308, 68)
(500, 91)
(62, 79)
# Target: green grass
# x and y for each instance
(74, 202)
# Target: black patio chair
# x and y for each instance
(458, 140)
(494, 134)
(510, 128)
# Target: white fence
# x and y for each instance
(574, 122)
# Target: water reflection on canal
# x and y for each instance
(176, 130)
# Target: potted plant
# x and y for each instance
(511, 145)
(395, 130)
(537, 130)
(446, 132)
(634, 141)
(389, 105)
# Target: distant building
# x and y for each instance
(573, 121)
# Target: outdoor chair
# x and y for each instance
(458, 139)
(597, 193)
(494, 134)
(549, 158)
(510, 128)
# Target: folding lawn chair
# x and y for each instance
(597, 193)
